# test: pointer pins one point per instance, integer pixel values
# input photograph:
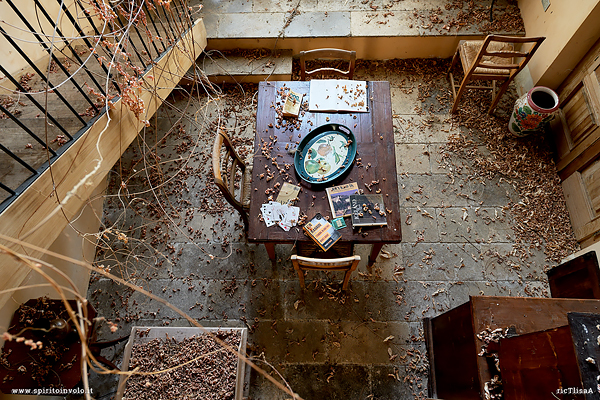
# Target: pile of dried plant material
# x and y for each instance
(491, 338)
(458, 15)
(191, 368)
(541, 219)
(38, 349)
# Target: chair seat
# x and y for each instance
(497, 58)
(246, 187)
(470, 48)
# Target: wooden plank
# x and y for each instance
(579, 118)
(525, 314)
(431, 377)
(453, 355)
(591, 180)
(580, 156)
(584, 336)
(101, 142)
(560, 135)
(588, 62)
(577, 279)
(590, 82)
(589, 230)
(368, 129)
(534, 366)
(578, 201)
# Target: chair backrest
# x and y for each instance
(327, 54)
(328, 264)
(227, 168)
(347, 264)
(502, 56)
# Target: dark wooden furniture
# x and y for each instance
(346, 265)
(346, 56)
(496, 58)
(578, 278)
(456, 370)
(537, 364)
(231, 175)
(273, 156)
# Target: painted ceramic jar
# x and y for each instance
(532, 110)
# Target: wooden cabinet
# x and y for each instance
(553, 363)
(576, 137)
(578, 278)
(457, 372)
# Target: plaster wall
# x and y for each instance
(570, 28)
(368, 48)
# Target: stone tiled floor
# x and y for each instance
(324, 18)
(457, 242)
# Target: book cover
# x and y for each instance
(291, 107)
(322, 232)
(367, 210)
(339, 199)
(288, 193)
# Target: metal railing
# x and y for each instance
(92, 53)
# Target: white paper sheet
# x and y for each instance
(338, 95)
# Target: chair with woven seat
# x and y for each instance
(232, 175)
(347, 264)
(327, 54)
(496, 58)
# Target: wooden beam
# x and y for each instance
(93, 154)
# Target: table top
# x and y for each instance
(375, 162)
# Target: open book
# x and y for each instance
(338, 95)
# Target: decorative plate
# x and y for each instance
(325, 154)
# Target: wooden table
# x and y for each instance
(375, 145)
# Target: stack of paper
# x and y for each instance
(337, 95)
(283, 215)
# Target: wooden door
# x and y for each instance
(577, 140)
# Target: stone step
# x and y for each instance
(376, 29)
(246, 66)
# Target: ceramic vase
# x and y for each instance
(533, 110)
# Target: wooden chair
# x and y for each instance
(327, 54)
(232, 175)
(495, 59)
(347, 264)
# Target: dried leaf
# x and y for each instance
(391, 337)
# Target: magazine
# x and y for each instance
(368, 210)
(322, 232)
(339, 199)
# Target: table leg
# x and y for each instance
(270, 250)
(374, 253)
